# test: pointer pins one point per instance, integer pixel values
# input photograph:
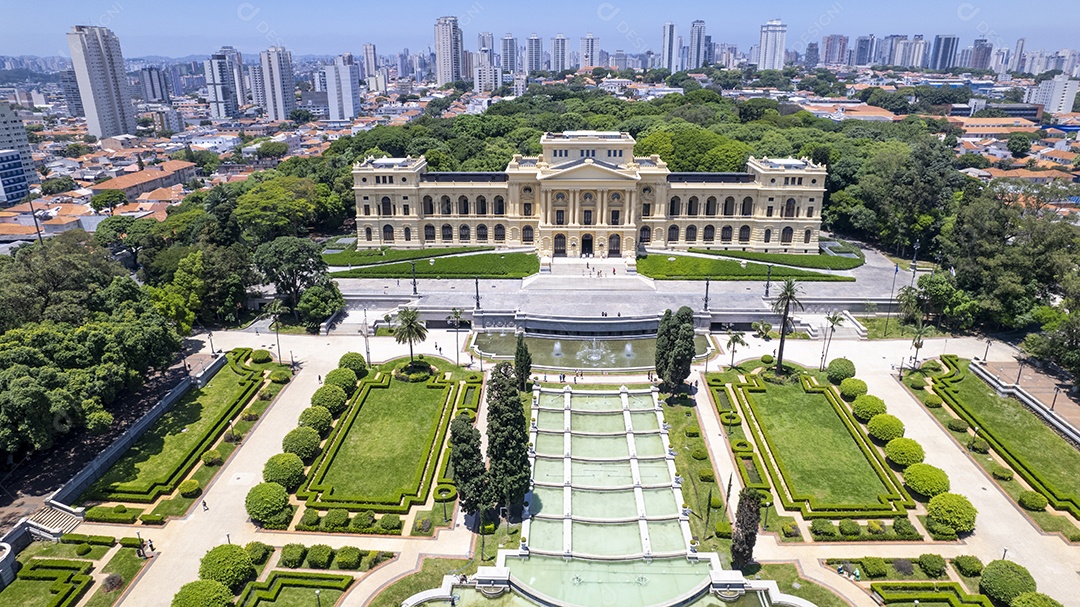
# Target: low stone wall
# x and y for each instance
(1050, 417)
(12, 544)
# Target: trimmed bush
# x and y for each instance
(1003, 581)
(332, 397)
(715, 502)
(953, 510)
(957, 425)
(932, 401)
(903, 529)
(700, 454)
(354, 361)
(228, 564)
(342, 378)
(319, 556)
(203, 593)
(1034, 599)
(1032, 500)
(866, 407)
(692, 431)
(261, 357)
(1002, 473)
(336, 519)
(348, 557)
(190, 488)
(885, 427)
(266, 502)
(979, 445)
(849, 527)
(309, 520)
(292, 555)
(362, 521)
(317, 418)
(903, 566)
(767, 359)
(280, 376)
(839, 370)
(723, 530)
(931, 366)
(933, 565)
(212, 457)
(852, 388)
(83, 549)
(940, 531)
(904, 452)
(967, 565)
(302, 441)
(706, 476)
(390, 522)
(258, 552)
(875, 527)
(285, 469)
(926, 480)
(152, 519)
(823, 527)
(874, 567)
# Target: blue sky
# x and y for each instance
(332, 27)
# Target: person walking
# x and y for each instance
(204, 506)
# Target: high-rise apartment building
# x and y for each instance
(371, 60)
(221, 86)
(812, 56)
(981, 53)
(864, 49)
(103, 85)
(448, 51)
(343, 88)
(1016, 62)
(486, 75)
(485, 40)
(834, 49)
(696, 57)
(590, 51)
(560, 55)
(534, 54)
(236, 62)
(669, 49)
(279, 84)
(258, 89)
(946, 47)
(1057, 95)
(69, 85)
(710, 51)
(883, 54)
(509, 54)
(13, 139)
(771, 45)
(154, 89)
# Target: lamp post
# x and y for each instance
(706, 294)
(824, 342)
(210, 335)
(1004, 551)
(1018, 372)
(476, 281)
(914, 262)
(318, 599)
(1057, 390)
(987, 352)
(768, 280)
(414, 278)
(367, 347)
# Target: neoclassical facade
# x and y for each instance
(588, 195)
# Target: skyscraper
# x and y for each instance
(343, 88)
(943, 57)
(534, 54)
(279, 84)
(981, 52)
(236, 62)
(1016, 63)
(485, 40)
(812, 57)
(258, 88)
(70, 86)
(153, 85)
(834, 49)
(669, 50)
(590, 50)
(696, 57)
(509, 54)
(486, 75)
(771, 45)
(448, 49)
(710, 51)
(560, 57)
(371, 60)
(887, 49)
(103, 84)
(13, 138)
(221, 86)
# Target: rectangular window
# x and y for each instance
(405, 209)
(587, 219)
(560, 218)
(614, 218)
(526, 209)
(646, 210)
(367, 209)
(785, 180)
(768, 211)
(800, 180)
(809, 211)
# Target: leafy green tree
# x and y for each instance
(58, 185)
(786, 299)
(470, 475)
(107, 200)
(291, 264)
(508, 437)
(277, 207)
(730, 156)
(319, 302)
(522, 362)
(410, 329)
(665, 339)
(744, 534)
(301, 116)
(1019, 144)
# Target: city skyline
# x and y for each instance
(631, 27)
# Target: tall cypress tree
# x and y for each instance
(522, 362)
(744, 535)
(508, 437)
(682, 356)
(664, 340)
(470, 475)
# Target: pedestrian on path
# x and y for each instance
(151, 543)
(204, 506)
(320, 379)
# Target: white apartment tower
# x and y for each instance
(771, 45)
(485, 40)
(13, 137)
(343, 88)
(221, 86)
(371, 62)
(448, 49)
(560, 57)
(590, 50)
(534, 54)
(1056, 95)
(509, 54)
(486, 75)
(696, 58)
(1017, 62)
(669, 49)
(153, 85)
(103, 84)
(258, 89)
(236, 62)
(279, 85)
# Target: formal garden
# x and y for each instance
(482, 265)
(165, 471)
(662, 266)
(821, 261)
(353, 256)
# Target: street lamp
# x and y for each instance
(318, 600)
(987, 352)
(768, 280)
(476, 281)
(414, 278)
(1018, 372)
(1004, 551)
(210, 334)
(1057, 390)
(706, 294)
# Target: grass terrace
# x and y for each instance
(484, 265)
(875, 328)
(681, 267)
(382, 255)
(125, 563)
(295, 589)
(430, 576)
(821, 261)
(790, 582)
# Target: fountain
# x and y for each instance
(556, 351)
(628, 350)
(593, 352)
(563, 352)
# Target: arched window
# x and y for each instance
(481, 232)
(744, 234)
(463, 233)
(806, 237)
(747, 206)
(709, 234)
(463, 205)
(429, 206)
(691, 234)
(614, 245)
(789, 208)
(408, 234)
(692, 206)
(673, 234)
(710, 206)
(367, 234)
(500, 232)
(500, 206)
(526, 233)
(725, 234)
(768, 236)
(786, 235)
(616, 197)
(447, 233)
(481, 206)
(444, 202)
(646, 235)
(675, 206)
(729, 206)
(388, 233)
(387, 208)
(429, 233)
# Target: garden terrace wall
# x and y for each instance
(928, 592)
(259, 592)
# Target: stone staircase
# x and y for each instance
(53, 522)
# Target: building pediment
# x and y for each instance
(588, 170)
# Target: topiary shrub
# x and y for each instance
(280, 376)
(852, 388)
(866, 407)
(875, 527)
(790, 529)
(1003, 581)
(292, 555)
(309, 520)
(932, 401)
(258, 552)
(348, 558)
(933, 565)
(250, 415)
(203, 593)
(1002, 473)
(354, 361)
(319, 556)
(767, 359)
(850, 528)
(926, 480)
(362, 521)
(390, 522)
(957, 425)
(874, 567)
(332, 397)
(1034, 599)
(903, 566)
(342, 378)
(260, 357)
(904, 452)
(119, 509)
(840, 369)
(706, 476)
(336, 519)
(940, 531)
(903, 529)
(723, 529)
(715, 502)
(823, 528)
(979, 445)
(285, 469)
(211, 457)
(885, 427)
(266, 502)
(82, 549)
(967, 565)
(302, 441)
(953, 510)
(1032, 500)
(692, 431)
(228, 564)
(316, 417)
(700, 454)
(190, 488)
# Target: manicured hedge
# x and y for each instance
(292, 555)
(904, 452)
(933, 565)
(951, 593)
(266, 592)
(967, 565)
(70, 579)
(953, 510)
(885, 427)
(840, 369)
(203, 593)
(1002, 581)
(121, 515)
(1032, 500)
(228, 564)
(258, 552)
(93, 540)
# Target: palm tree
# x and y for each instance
(410, 329)
(455, 319)
(785, 300)
(835, 319)
(921, 332)
(276, 309)
(733, 340)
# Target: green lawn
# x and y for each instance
(684, 267)
(366, 257)
(125, 563)
(56, 550)
(301, 597)
(821, 261)
(786, 576)
(484, 265)
(26, 593)
(875, 328)
(430, 576)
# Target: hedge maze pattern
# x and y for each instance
(257, 593)
(70, 579)
(928, 592)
